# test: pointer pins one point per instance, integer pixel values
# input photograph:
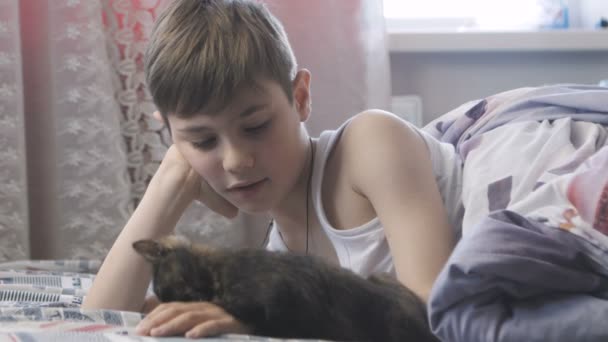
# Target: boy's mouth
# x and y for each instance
(250, 186)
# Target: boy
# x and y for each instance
(366, 196)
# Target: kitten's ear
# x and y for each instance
(151, 250)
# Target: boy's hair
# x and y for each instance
(201, 51)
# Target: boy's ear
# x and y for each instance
(301, 94)
(151, 250)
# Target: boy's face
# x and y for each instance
(252, 152)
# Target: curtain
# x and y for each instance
(78, 144)
(13, 191)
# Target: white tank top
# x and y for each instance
(364, 249)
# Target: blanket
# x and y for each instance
(40, 301)
(532, 262)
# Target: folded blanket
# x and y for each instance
(531, 264)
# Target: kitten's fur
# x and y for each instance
(287, 295)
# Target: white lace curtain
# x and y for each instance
(77, 143)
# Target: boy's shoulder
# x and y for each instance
(369, 142)
(372, 129)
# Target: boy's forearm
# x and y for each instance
(122, 281)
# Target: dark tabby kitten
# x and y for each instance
(287, 295)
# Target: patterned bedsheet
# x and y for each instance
(532, 263)
(40, 301)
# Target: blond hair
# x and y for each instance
(201, 51)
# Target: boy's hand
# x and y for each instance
(175, 171)
(193, 319)
(150, 303)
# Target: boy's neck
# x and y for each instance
(292, 213)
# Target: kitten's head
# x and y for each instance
(180, 270)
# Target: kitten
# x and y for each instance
(287, 295)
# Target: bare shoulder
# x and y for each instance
(377, 134)
(375, 117)
(375, 127)
(375, 151)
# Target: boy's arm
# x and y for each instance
(390, 165)
(124, 276)
(122, 281)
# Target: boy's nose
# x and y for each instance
(237, 159)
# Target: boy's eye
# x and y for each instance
(205, 144)
(258, 128)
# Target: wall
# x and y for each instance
(446, 80)
(343, 44)
(586, 13)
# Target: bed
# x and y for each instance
(531, 263)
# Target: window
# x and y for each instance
(474, 14)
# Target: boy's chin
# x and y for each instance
(253, 208)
